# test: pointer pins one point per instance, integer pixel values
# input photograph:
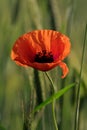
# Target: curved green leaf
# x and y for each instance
(54, 97)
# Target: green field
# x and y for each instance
(21, 89)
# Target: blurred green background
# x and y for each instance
(22, 89)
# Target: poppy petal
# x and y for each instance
(60, 46)
(67, 46)
(24, 49)
(44, 66)
(64, 69)
(42, 49)
(43, 38)
(57, 47)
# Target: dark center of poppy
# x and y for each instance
(44, 57)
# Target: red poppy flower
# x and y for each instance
(42, 49)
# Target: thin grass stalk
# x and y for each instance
(53, 103)
(70, 18)
(55, 13)
(68, 31)
(76, 125)
(61, 103)
(38, 87)
(26, 110)
(36, 13)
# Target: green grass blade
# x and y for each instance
(54, 97)
(77, 111)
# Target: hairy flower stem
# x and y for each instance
(53, 103)
(76, 126)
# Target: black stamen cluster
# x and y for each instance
(44, 57)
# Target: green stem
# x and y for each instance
(53, 103)
(76, 126)
(54, 117)
(52, 84)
